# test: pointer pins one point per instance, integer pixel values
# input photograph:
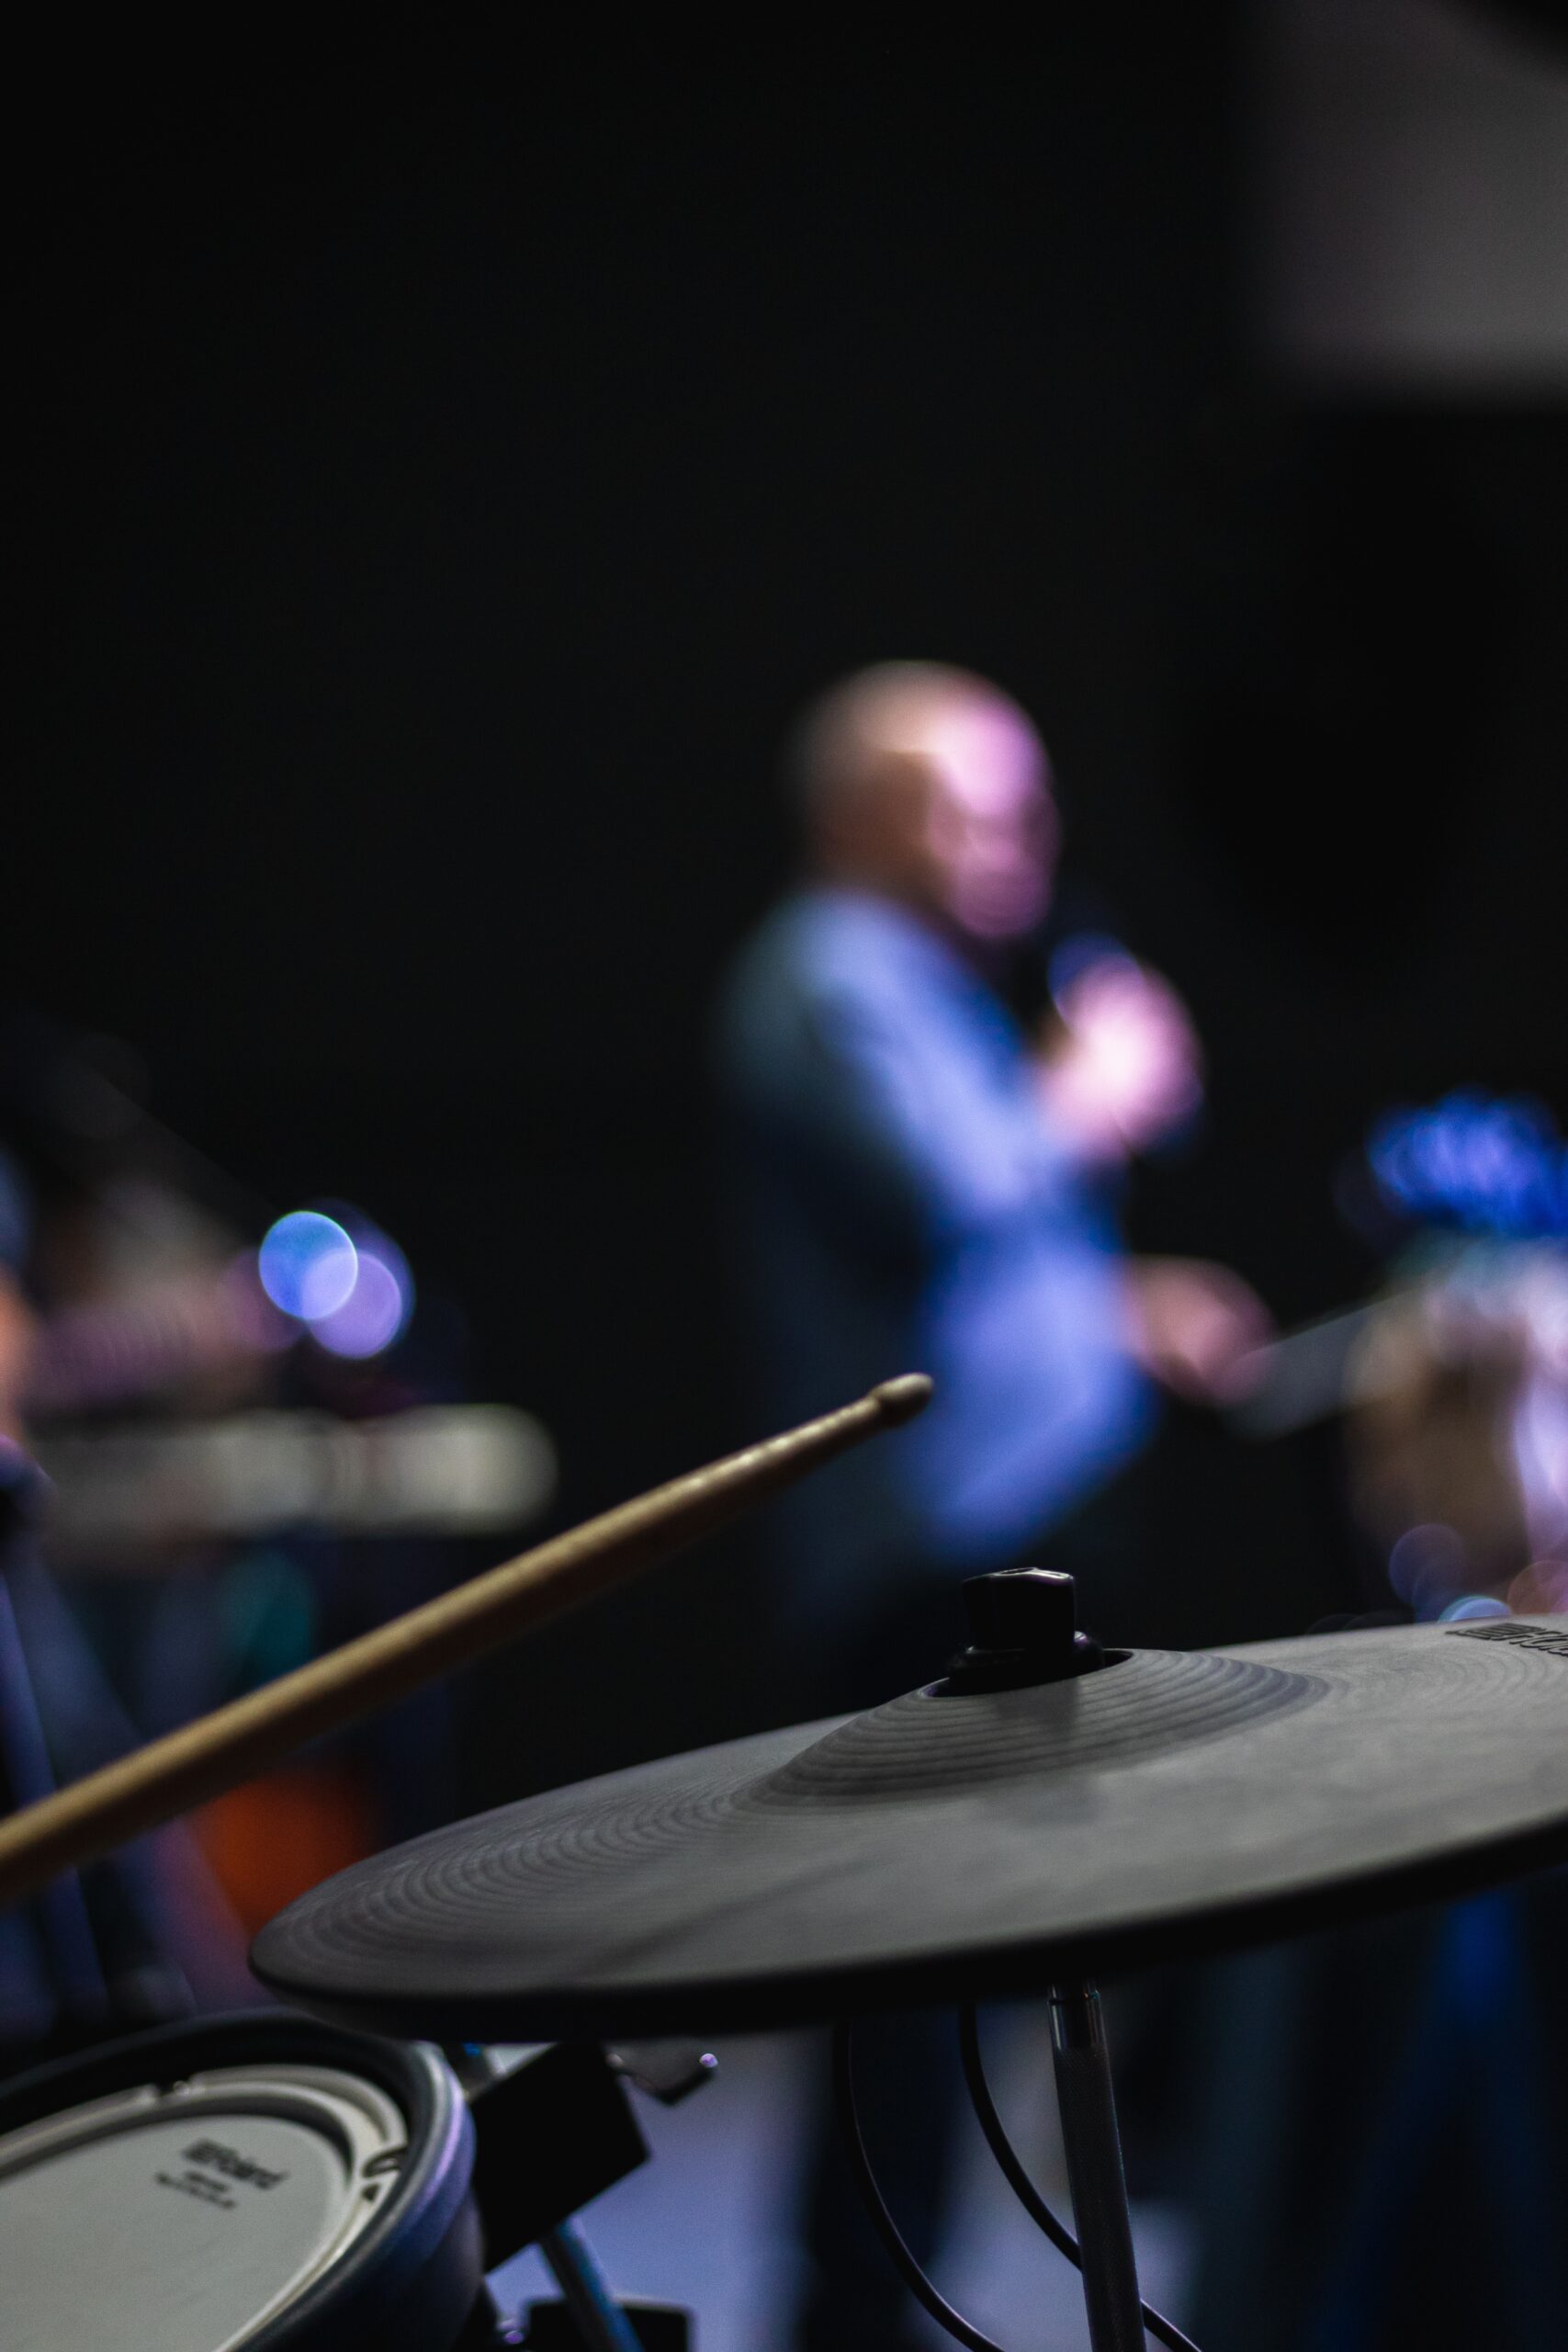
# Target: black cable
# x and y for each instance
(1017, 2180)
(1002, 2147)
(886, 2228)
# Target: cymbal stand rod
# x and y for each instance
(1093, 2149)
(600, 2322)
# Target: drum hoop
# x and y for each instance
(418, 2264)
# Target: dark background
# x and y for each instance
(448, 458)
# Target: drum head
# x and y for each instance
(256, 2182)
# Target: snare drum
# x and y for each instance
(259, 2180)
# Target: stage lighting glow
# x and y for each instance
(1541, 1591)
(308, 1265)
(1472, 1606)
(1427, 1567)
(1486, 1163)
(375, 1309)
(1086, 950)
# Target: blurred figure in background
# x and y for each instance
(920, 1184)
(207, 1477)
(1360, 2089)
(1457, 1430)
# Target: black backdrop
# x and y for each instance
(448, 456)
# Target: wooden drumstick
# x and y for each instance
(229, 1745)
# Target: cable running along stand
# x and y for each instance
(1103, 2247)
(1025, 1636)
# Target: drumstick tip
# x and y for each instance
(902, 1399)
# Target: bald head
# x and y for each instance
(928, 786)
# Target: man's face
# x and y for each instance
(983, 830)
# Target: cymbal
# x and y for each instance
(959, 1846)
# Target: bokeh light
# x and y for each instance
(376, 1308)
(1486, 1163)
(1541, 1591)
(1428, 1566)
(308, 1265)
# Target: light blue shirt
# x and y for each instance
(903, 1205)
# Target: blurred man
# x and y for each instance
(921, 1185)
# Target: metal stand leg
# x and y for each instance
(1094, 2169)
(600, 2322)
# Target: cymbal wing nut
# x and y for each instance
(1023, 1630)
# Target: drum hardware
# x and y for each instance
(259, 2180)
(1024, 1632)
(1023, 1623)
(598, 2323)
(294, 2188)
(668, 2071)
(391, 2239)
(554, 2133)
(1086, 2105)
(1035, 1817)
(1103, 2252)
(596, 2143)
(1012, 2170)
(1021, 1825)
(656, 2327)
(588, 2318)
(545, 2155)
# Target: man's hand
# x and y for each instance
(1121, 1061)
(1196, 1327)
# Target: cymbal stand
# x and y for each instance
(1093, 2149)
(585, 2291)
(598, 2320)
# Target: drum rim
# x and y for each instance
(418, 2261)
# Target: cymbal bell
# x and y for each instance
(959, 1844)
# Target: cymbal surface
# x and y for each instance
(946, 1846)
